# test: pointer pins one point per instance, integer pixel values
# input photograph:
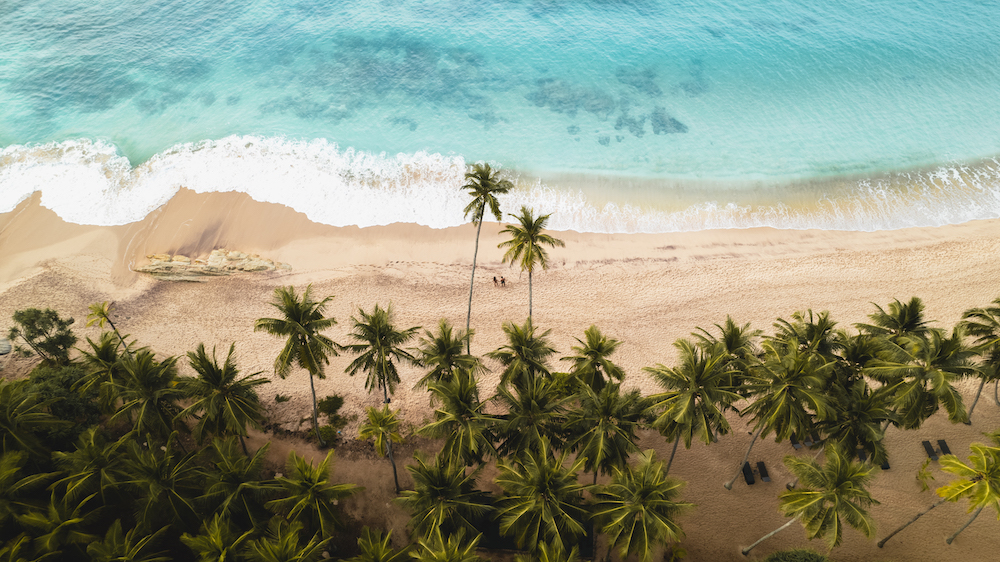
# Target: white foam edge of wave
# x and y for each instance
(89, 182)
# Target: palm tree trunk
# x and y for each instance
(672, 453)
(395, 477)
(312, 387)
(747, 550)
(729, 485)
(529, 293)
(795, 482)
(968, 418)
(962, 528)
(996, 392)
(472, 282)
(882, 542)
(244, 443)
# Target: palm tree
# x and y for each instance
(788, 395)
(484, 185)
(526, 352)
(60, 525)
(834, 493)
(94, 467)
(978, 481)
(739, 344)
(605, 426)
(383, 427)
(17, 489)
(149, 393)
(436, 548)
(217, 541)
(282, 544)
(444, 497)
(379, 344)
(22, 417)
(133, 546)
(637, 510)
(376, 547)
(536, 411)
(165, 484)
(525, 244)
(542, 500)
(860, 418)
(590, 360)
(550, 553)
(461, 421)
(901, 320)
(442, 354)
(921, 371)
(302, 322)
(226, 403)
(311, 498)
(103, 365)
(698, 392)
(984, 324)
(234, 487)
(100, 313)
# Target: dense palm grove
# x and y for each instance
(112, 455)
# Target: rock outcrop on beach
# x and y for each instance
(220, 262)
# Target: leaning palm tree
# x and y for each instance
(442, 354)
(697, 394)
(978, 481)
(460, 420)
(543, 500)
(100, 314)
(379, 349)
(787, 394)
(831, 495)
(984, 324)
(302, 322)
(383, 427)
(444, 497)
(638, 509)
(526, 352)
(310, 498)
(590, 359)
(604, 427)
(525, 244)
(484, 185)
(226, 403)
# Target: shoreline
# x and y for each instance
(645, 289)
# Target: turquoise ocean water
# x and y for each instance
(615, 116)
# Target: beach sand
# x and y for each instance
(647, 290)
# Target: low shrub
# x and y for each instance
(796, 555)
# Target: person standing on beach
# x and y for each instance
(495, 281)
(503, 282)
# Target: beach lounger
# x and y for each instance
(762, 470)
(807, 441)
(748, 474)
(931, 453)
(815, 438)
(945, 450)
(795, 442)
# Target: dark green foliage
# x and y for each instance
(796, 555)
(54, 383)
(44, 333)
(24, 419)
(330, 407)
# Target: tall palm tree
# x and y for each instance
(525, 353)
(218, 541)
(103, 365)
(376, 547)
(383, 427)
(133, 546)
(282, 543)
(22, 417)
(461, 421)
(921, 372)
(484, 184)
(100, 314)
(149, 393)
(984, 324)
(442, 354)
(542, 500)
(698, 393)
(226, 403)
(787, 391)
(302, 322)
(978, 481)
(605, 426)
(379, 349)
(590, 359)
(444, 497)
(638, 509)
(310, 498)
(834, 493)
(525, 244)
(455, 548)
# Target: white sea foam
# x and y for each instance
(89, 182)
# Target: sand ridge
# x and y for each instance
(646, 289)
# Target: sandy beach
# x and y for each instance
(646, 290)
